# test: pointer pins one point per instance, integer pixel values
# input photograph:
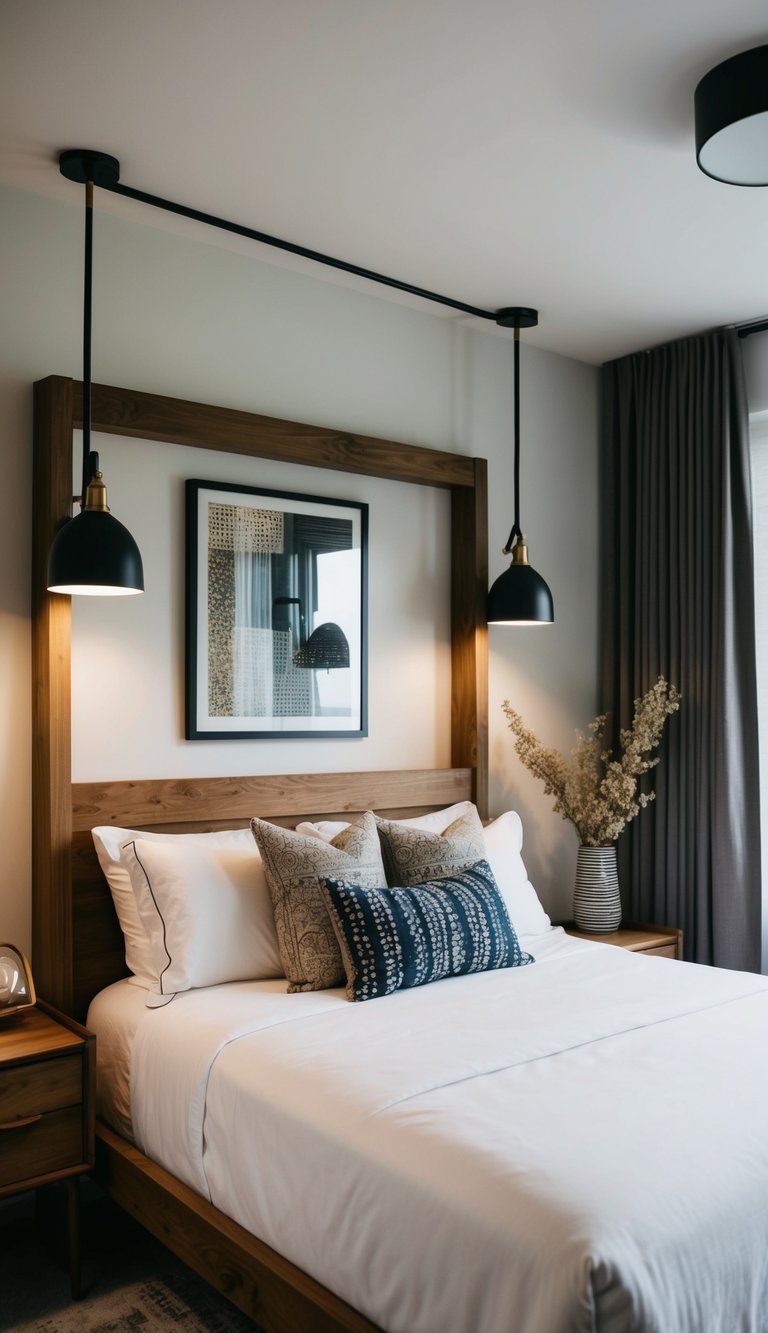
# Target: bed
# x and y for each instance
(457, 1156)
(76, 942)
(573, 1145)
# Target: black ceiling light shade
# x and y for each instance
(92, 554)
(519, 596)
(731, 111)
(325, 650)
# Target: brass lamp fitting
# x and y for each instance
(96, 494)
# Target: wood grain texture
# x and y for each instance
(47, 1083)
(51, 1144)
(176, 421)
(33, 1034)
(264, 1285)
(469, 632)
(51, 706)
(88, 1041)
(183, 800)
(98, 946)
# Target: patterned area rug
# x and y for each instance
(130, 1281)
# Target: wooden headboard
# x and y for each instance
(76, 942)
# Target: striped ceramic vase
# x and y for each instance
(596, 901)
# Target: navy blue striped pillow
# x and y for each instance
(393, 938)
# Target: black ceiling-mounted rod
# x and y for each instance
(746, 330)
(520, 596)
(108, 177)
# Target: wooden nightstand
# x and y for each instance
(663, 941)
(47, 1079)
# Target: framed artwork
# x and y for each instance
(276, 614)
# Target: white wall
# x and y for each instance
(409, 668)
(187, 318)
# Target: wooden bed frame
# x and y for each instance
(77, 943)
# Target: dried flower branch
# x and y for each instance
(599, 793)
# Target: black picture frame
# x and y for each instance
(276, 640)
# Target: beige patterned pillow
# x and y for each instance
(412, 856)
(296, 867)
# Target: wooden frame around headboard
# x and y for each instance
(76, 943)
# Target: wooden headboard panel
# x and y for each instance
(205, 804)
(76, 942)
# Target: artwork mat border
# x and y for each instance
(192, 673)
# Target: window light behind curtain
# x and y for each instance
(759, 458)
(263, 681)
(267, 605)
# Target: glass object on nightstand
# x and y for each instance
(17, 989)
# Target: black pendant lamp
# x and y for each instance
(92, 554)
(731, 109)
(519, 596)
(326, 649)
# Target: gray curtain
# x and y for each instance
(678, 601)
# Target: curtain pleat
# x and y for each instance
(678, 601)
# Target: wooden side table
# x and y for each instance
(663, 941)
(47, 1110)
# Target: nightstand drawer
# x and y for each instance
(52, 1143)
(33, 1089)
(663, 951)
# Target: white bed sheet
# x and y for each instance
(577, 1145)
(114, 1015)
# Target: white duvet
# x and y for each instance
(577, 1145)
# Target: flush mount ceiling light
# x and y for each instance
(92, 554)
(519, 596)
(731, 108)
(123, 573)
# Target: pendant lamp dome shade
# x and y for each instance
(731, 110)
(519, 596)
(326, 648)
(94, 554)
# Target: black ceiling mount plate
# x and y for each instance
(83, 164)
(520, 316)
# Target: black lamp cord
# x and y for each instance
(516, 529)
(90, 460)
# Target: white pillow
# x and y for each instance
(436, 822)
(206, 912)
(503, 843)
(109, 841)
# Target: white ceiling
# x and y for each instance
(504, 152)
